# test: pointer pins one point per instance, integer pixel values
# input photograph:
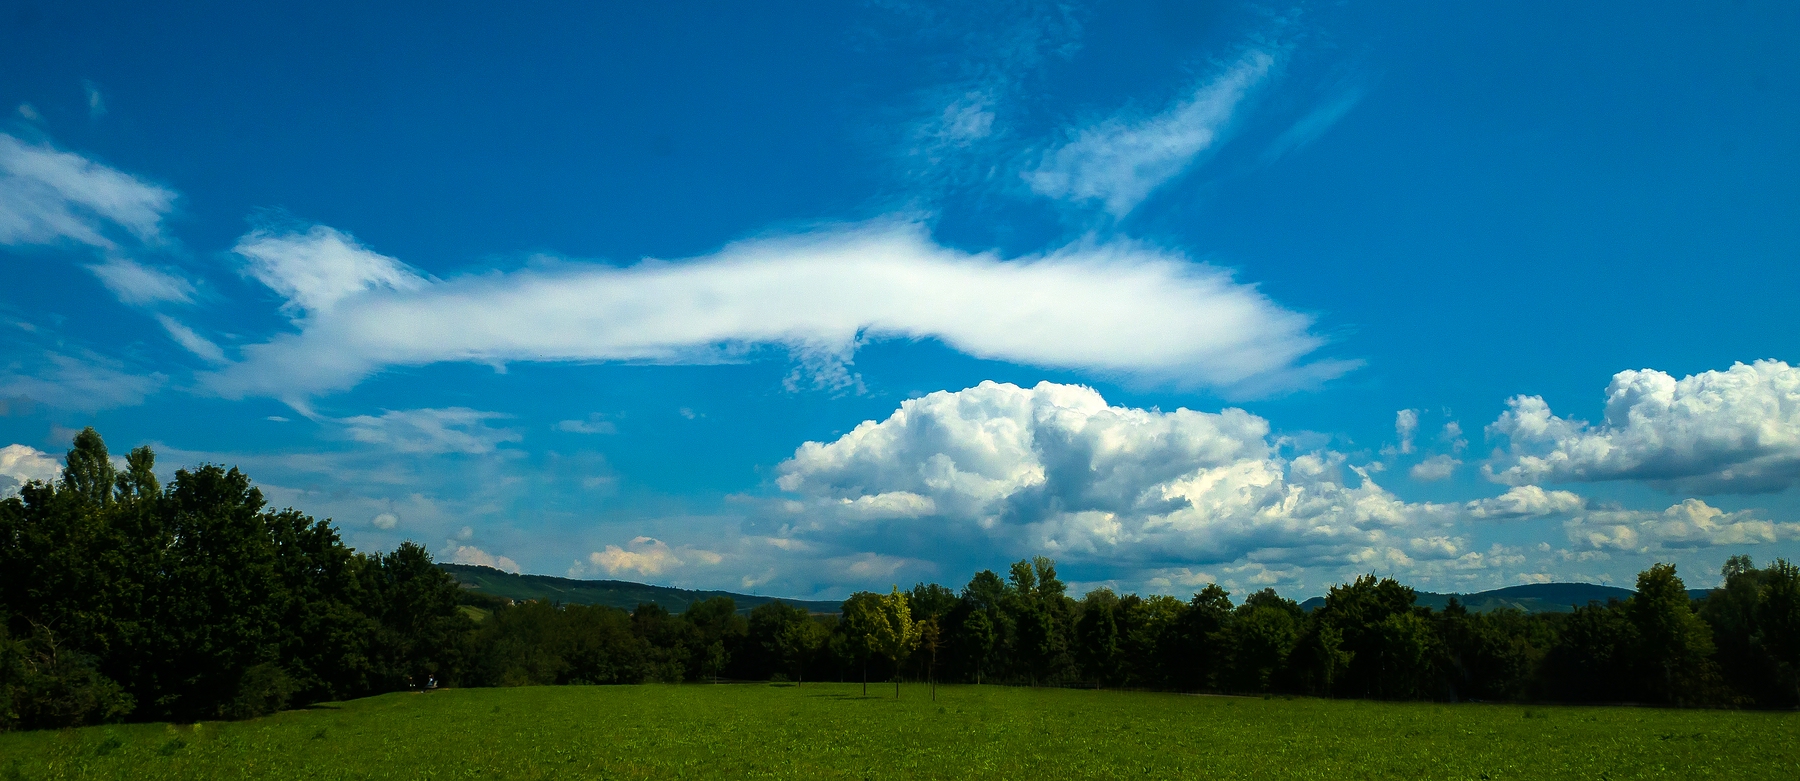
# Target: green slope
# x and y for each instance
(613, 593)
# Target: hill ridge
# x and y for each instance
(622, 594)
(627, 595)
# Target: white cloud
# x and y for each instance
(1312, 126)
(192, 342)
(594, 424)
(138, 284)
(1526, 501)
(96, 101)
(1119, 308)
(385, 521)
(316, 269)
(48, 196)
(967, 119)
(1690, 524)
(447, 430)
(469, 554)
(1435, 468)
(648, 557)
(1119, 162)
(1406, 426)
(20, 464)
(1716, 432)
(1055, 470)
(87, 384)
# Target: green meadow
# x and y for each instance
(831, 731)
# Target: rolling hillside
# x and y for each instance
(1532, 598)
(614, 593)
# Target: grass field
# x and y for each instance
(829, 731)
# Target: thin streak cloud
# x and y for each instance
(1119, 162)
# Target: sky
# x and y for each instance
(805, 299)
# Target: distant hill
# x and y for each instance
(613, 593)
(1531, 598)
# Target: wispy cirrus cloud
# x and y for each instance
(434, 431)
(1119, 161)
(49, 196)
(138, 284)
(191, 341)
(84, 382)
(1120, 308)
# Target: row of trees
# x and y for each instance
(121, 598)
(1740, 646)
(124, 599)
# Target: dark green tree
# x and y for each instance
(1674, 646)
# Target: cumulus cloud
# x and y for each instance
(1732, 431)
(20, 464)
(138, 284)
(648, 557)
(49, 196)
(1118, 162)
(446, 430)
(1116, 308)
(469, 554)
(1406, 426)
(1053, 469)
(1525, 501)
(385, 521)
(1435, 468)
(1690, 524)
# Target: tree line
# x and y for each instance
(123, 599)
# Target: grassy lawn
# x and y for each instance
(829, 731)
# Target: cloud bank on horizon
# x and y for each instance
(1055, 469)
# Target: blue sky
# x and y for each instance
(707, 295)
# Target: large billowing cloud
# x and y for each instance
(1733, 431)
(1055, 470)
(1117, 308)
